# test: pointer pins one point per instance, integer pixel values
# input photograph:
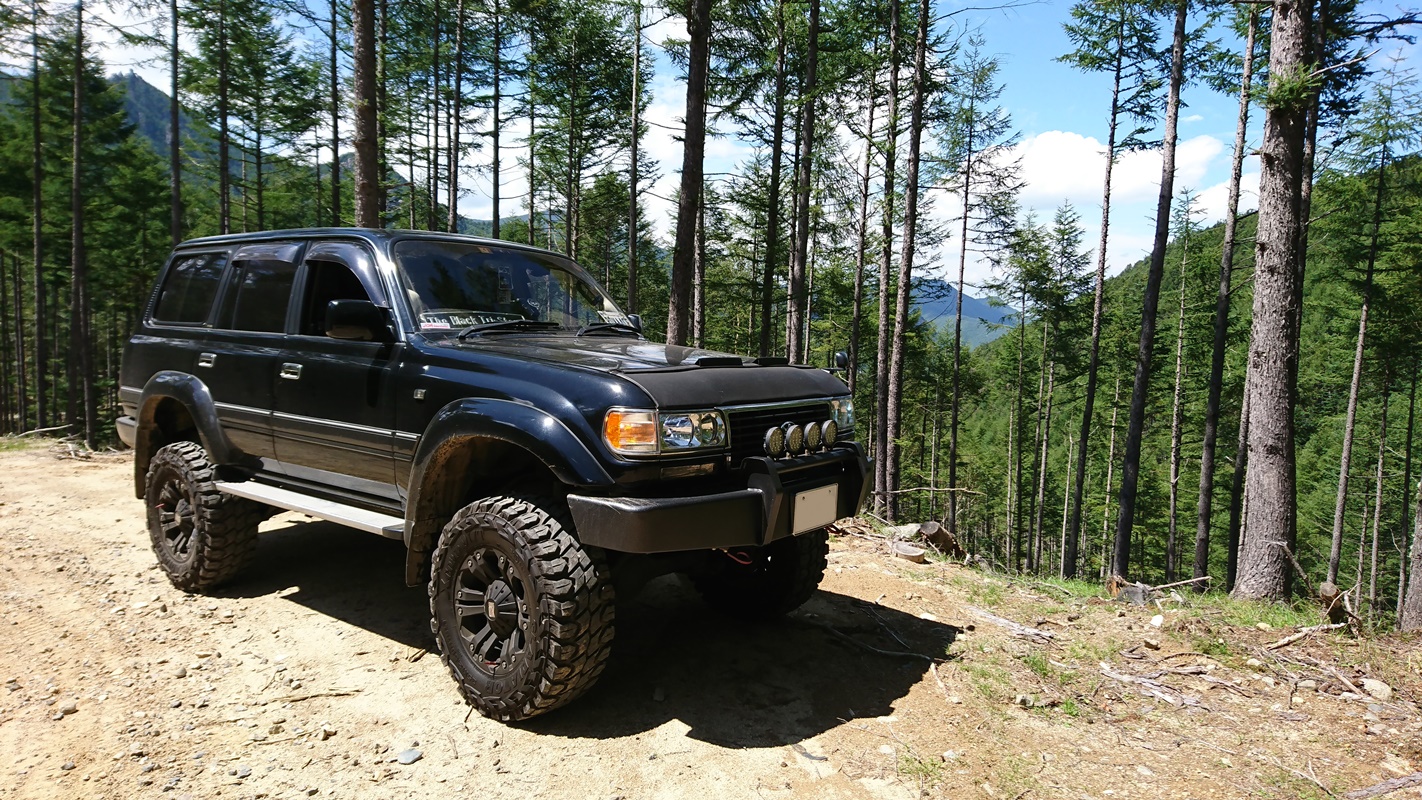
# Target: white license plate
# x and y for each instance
(816, 508)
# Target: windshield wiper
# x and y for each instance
(508, 326)
(608, 327)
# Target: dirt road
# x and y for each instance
(310, 677)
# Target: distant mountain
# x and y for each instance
(982, 321)
(147, 108)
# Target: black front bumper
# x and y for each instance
(756, 515)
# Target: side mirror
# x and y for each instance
(636, 320)
(359, 320)
(841, 360)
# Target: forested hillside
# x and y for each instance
(1106, 436)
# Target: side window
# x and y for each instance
(189, 287)
(257, 296)
(326, 281)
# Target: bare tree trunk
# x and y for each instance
(1110, 465)
(382, 147)
(1037, 465)
(698, 284)
(1069, 555)
(367, 166)
(862, 249)
(1378, 508)
(175, 158)
(1204, 505)
(1270, 488)
(969, 152)
(905, 287)
(22, 390)
(224, 143)
(799, 256)
(689, 202)
(1407, 485)
(632, 216)
(881, 371)
(772, 219)
(336, 123)
(532, 152)
(81, 345)
(1411, 617)
(454, 120)
(1172, 556)
(1038, 534)
(1130, 468)
(37, 211)
(1066, 506)
(1015, 533)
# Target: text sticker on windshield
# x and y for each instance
(446, 320)
(614, 317)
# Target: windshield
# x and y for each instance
(454, 285)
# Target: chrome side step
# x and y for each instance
(359, 518)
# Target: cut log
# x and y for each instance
(938, 536)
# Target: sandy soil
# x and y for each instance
(310, 676)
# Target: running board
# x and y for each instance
(386, 525)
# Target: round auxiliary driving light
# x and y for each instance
(794, 438)
(829, 432)
(813, 436)
(775, 443)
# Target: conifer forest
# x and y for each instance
(1239, 405)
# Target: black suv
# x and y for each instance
(490, 406)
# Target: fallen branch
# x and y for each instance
(1386, 787)
(1017, 628)
(297, 698)
(1151, 687)
(1303, 634)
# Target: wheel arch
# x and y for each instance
(477, 448)
(176, 407)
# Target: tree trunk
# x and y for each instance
(1038, 532)
(81, 345)
(1172, 555)
(1411, 617)
(1110, 465)
(881, 365)
(698, 284)
(906, 254)
(224, 143)
(336, 123)
(1037, 465)
(37, 212)
(1066, 504)
(1406, 483)
(367, 166)
(958, 326)
(772, 219)
(1274, 336)
(454, 120)
(175, 158)
(689, 201)
(382, 155)
(1015, 532)
(862, 248)
(1204, 505)
(1378, 507)
(22, 390)
(1130, 468)
(1069, 555)
(799, 257)
(636, 148)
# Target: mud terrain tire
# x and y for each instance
(202, 537)
(522, 612)
(778, 579)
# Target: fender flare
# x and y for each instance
(196, 399)
(533, 430)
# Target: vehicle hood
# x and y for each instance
(674, 376)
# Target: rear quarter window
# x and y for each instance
(188, 288)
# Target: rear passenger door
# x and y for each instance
(334, 409)
(241, 350)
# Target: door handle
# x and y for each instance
(207, 359)
(291, 372)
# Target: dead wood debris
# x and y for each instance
(1151, 687)
(1303, 633)
(1386, 787)
(1016, 628)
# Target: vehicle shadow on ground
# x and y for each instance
(354, 577)
(733, 683)
(738, 684)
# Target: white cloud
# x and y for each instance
(1193, 118)
(1061, 165)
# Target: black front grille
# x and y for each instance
(748, 426)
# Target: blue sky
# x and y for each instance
(1059, 112)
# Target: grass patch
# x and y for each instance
(1249, 613)
(13, 444)
(1212, 646)
(1076, 589)
(1038, 663)
(925, 770)
(991, 680)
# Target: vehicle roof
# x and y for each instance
(377, 236)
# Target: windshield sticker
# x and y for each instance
(614, 317)
(446, 320)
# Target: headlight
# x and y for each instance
(638, 432)
(842, 412)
